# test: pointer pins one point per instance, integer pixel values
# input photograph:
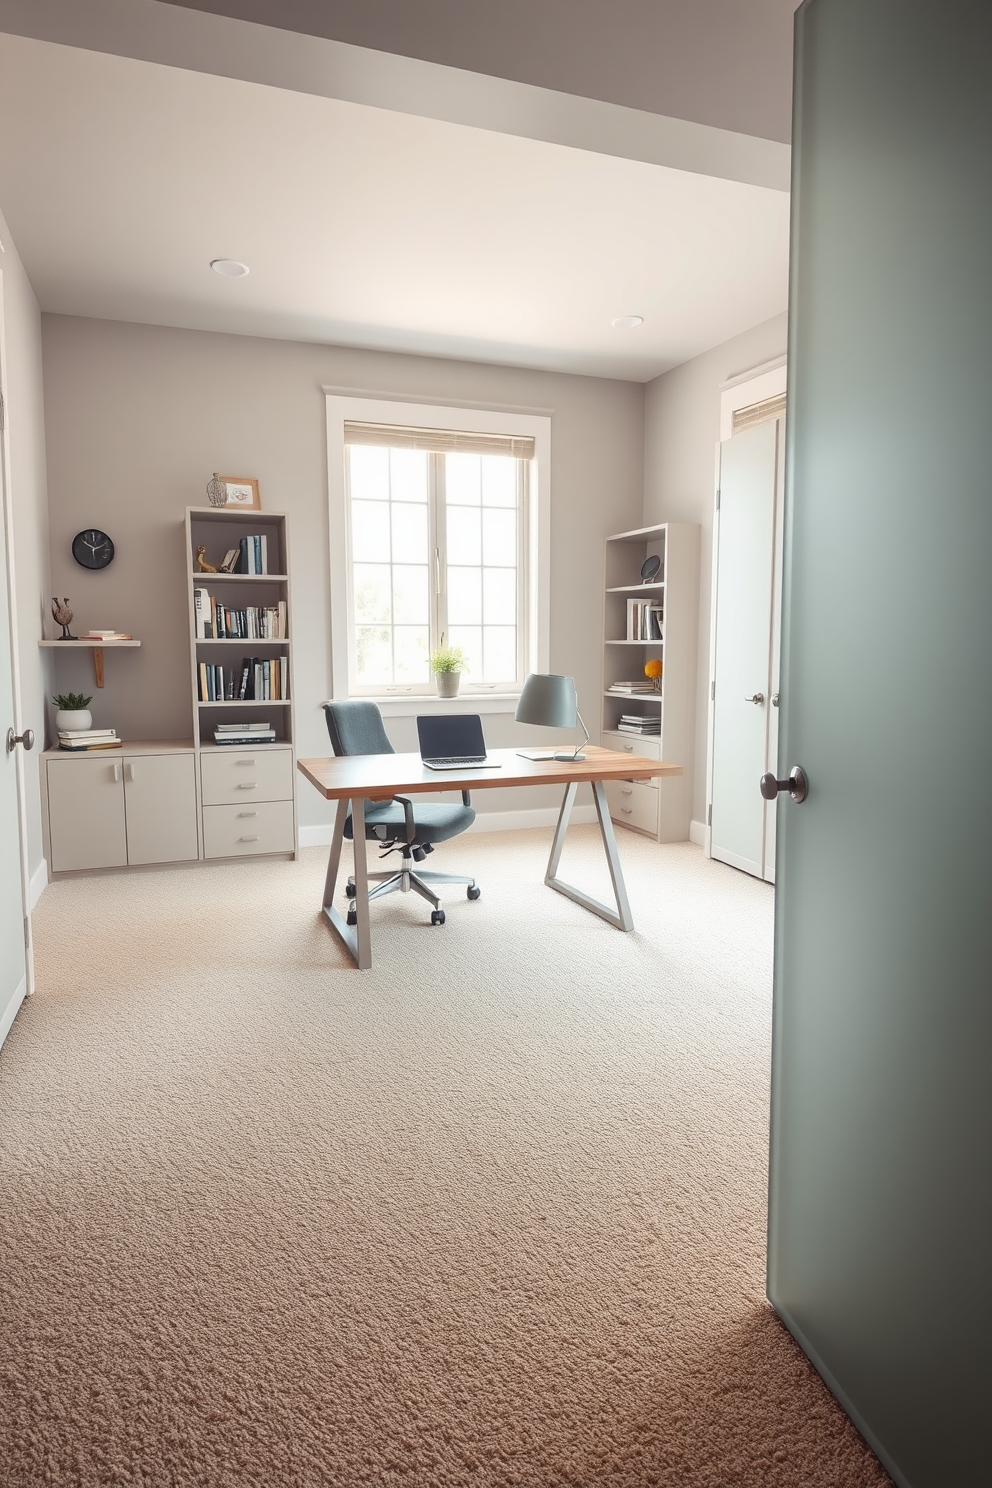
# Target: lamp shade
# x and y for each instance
(548, 700)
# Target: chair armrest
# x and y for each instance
(411, 825)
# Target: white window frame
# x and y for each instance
(535, 572)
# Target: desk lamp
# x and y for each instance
(551, 701)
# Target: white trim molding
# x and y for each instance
(469, 419)
(10, 1012)
(38, 883)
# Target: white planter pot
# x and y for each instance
(447, 683)
(67, 719)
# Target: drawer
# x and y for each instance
(649, 748)
(259, 774)
(249, 827)
(633, 803)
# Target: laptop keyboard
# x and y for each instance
(451, 763)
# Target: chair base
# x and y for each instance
(406, 879)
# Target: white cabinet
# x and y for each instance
(160, 808)
(135, 808)
(86, 813)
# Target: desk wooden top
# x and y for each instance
(379, 776)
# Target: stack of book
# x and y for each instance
(82, 739)
(244, 733)
(105, 635)
(637, 688)
(216, 621)
(256, 680)
(644, 620)
(634, 723)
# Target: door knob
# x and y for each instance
(759, 697)
(27, 739)
(797, 785)
(774, 699)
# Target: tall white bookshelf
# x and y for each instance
(660, 808)
(246, 793)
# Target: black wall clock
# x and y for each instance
(92, 548)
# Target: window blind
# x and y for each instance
(439, 441)
(759, 413)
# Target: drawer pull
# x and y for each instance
(629, 748)
(247, 785)
(626, 790)
(244, 762)
(248, 839)
(246, 813)
(627, 810)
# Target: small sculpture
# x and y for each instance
(63, 615)
(201, 562)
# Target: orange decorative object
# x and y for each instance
(652, 669)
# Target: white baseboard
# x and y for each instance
(697, 833)
(38, 884)
(485, 821)
(10, 1013)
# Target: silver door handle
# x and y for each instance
(774, 699)
(797, 785)
(26, 739)
(759, 697)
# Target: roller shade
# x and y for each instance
(759, 413)
(439, 441)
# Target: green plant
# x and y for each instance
(71, 702)
(447, 658)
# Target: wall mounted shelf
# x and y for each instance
(97, 647)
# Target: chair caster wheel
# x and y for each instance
(350, 890)
(474, 892)
(353, 917)
(437, 916)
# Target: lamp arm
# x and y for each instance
(585, 741)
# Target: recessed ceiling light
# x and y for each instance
(231, 268)
(627, 322)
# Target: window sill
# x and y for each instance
(408, 705)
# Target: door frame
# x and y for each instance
(7, 518)
(768, 380)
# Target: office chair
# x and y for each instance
(397, 825)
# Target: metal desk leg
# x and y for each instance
(358, 940)
(622, 917)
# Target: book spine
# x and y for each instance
(264, 554)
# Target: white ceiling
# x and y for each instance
(121, 179)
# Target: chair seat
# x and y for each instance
(435, 822)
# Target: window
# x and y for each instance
(439, 528)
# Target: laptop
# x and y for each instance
(453, 741)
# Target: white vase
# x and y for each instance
(447, 683)
(70, 719)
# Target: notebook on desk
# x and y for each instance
(453, 741)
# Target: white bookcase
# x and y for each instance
(246, 793)
(661, 808)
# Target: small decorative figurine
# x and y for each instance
(201, 562)
(63, 615)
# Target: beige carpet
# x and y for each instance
(491, 1213)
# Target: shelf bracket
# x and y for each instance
(98, 665)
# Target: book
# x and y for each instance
(88, 733)
(250, 739)
(82, 746)
(105, 635)
(242, 728)
(230, 561)
(201, 613)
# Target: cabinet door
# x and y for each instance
(86, 813)
(160, 801)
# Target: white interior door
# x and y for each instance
(744, 581)
(13, 910)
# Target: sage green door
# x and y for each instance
(880, 1233)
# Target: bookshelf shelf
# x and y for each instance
(668, 603)
(218, 663)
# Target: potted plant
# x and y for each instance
(73, 711)
(447, 663)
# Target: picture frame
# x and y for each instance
(242, 492)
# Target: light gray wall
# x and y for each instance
(29, 510)
(727, 63)
(138, 417)
(681, 434)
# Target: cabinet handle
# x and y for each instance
(629, 748)
(244, 762)
(130, 769)
(626, 790)
(248, 785)
(117, 774)
(246, 813)
(248, 839)
(627, 810)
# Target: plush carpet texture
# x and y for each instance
(491, 1213)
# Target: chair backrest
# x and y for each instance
(356, 727)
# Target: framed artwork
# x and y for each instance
(241, 490)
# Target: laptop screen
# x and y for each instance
(450, 735)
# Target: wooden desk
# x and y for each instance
(351, 779)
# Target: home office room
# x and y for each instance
(396, 502)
